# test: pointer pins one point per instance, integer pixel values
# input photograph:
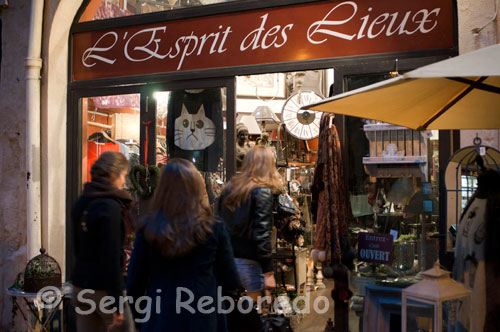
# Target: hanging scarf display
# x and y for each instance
(329, 192)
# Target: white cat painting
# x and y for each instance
(193, 131)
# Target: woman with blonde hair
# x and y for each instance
(182, 254)
(246, 206)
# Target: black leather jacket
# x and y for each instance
(250, 226)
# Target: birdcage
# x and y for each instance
(41, 271)
(461, 174)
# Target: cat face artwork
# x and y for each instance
(193, 131)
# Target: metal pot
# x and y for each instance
(403, 255)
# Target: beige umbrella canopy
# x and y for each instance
(458, 93)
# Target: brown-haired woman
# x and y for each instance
(181, 255)
(99, 217)
(246, 206)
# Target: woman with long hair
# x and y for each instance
(182, 254)
(99, 219)
(246, 206)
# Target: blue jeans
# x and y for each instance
(250, 273)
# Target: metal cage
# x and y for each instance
(461, 173)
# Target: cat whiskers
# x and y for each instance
(209, 131)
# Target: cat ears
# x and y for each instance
(201, 110)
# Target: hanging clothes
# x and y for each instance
(329, 193)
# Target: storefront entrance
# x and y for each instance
(186, 98)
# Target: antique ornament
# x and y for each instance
(193, 131)
(302, 124)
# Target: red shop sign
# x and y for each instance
(375, 248)
(309, 31)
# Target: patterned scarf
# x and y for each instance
(330, 192)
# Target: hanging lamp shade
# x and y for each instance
(265, 113)
(251, 123)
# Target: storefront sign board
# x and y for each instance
(311, 31)
(375, 248)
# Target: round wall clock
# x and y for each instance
(301, 124)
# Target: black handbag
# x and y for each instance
(238, 321)
(274, 322)
(285, 205)
(244, 322)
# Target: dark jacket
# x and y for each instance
(98, 237)
(250, 226)
(201, 271)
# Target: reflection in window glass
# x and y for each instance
(112, 123)
(393, 183)
(104, 9)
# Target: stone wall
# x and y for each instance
(472, 15)
(13, 222)
(57, 23)
(12, 150)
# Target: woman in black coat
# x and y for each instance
(99, 217)
(182, 258)
(246, 206)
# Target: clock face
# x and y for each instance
(302, 124)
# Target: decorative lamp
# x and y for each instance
(432, 303)
(251, 123)
(264, 114)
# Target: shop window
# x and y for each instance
(189, 124)
(104, 9)
(386, 166)
(358, 145)
(392, 179)
(110, 123)
(268, 111)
